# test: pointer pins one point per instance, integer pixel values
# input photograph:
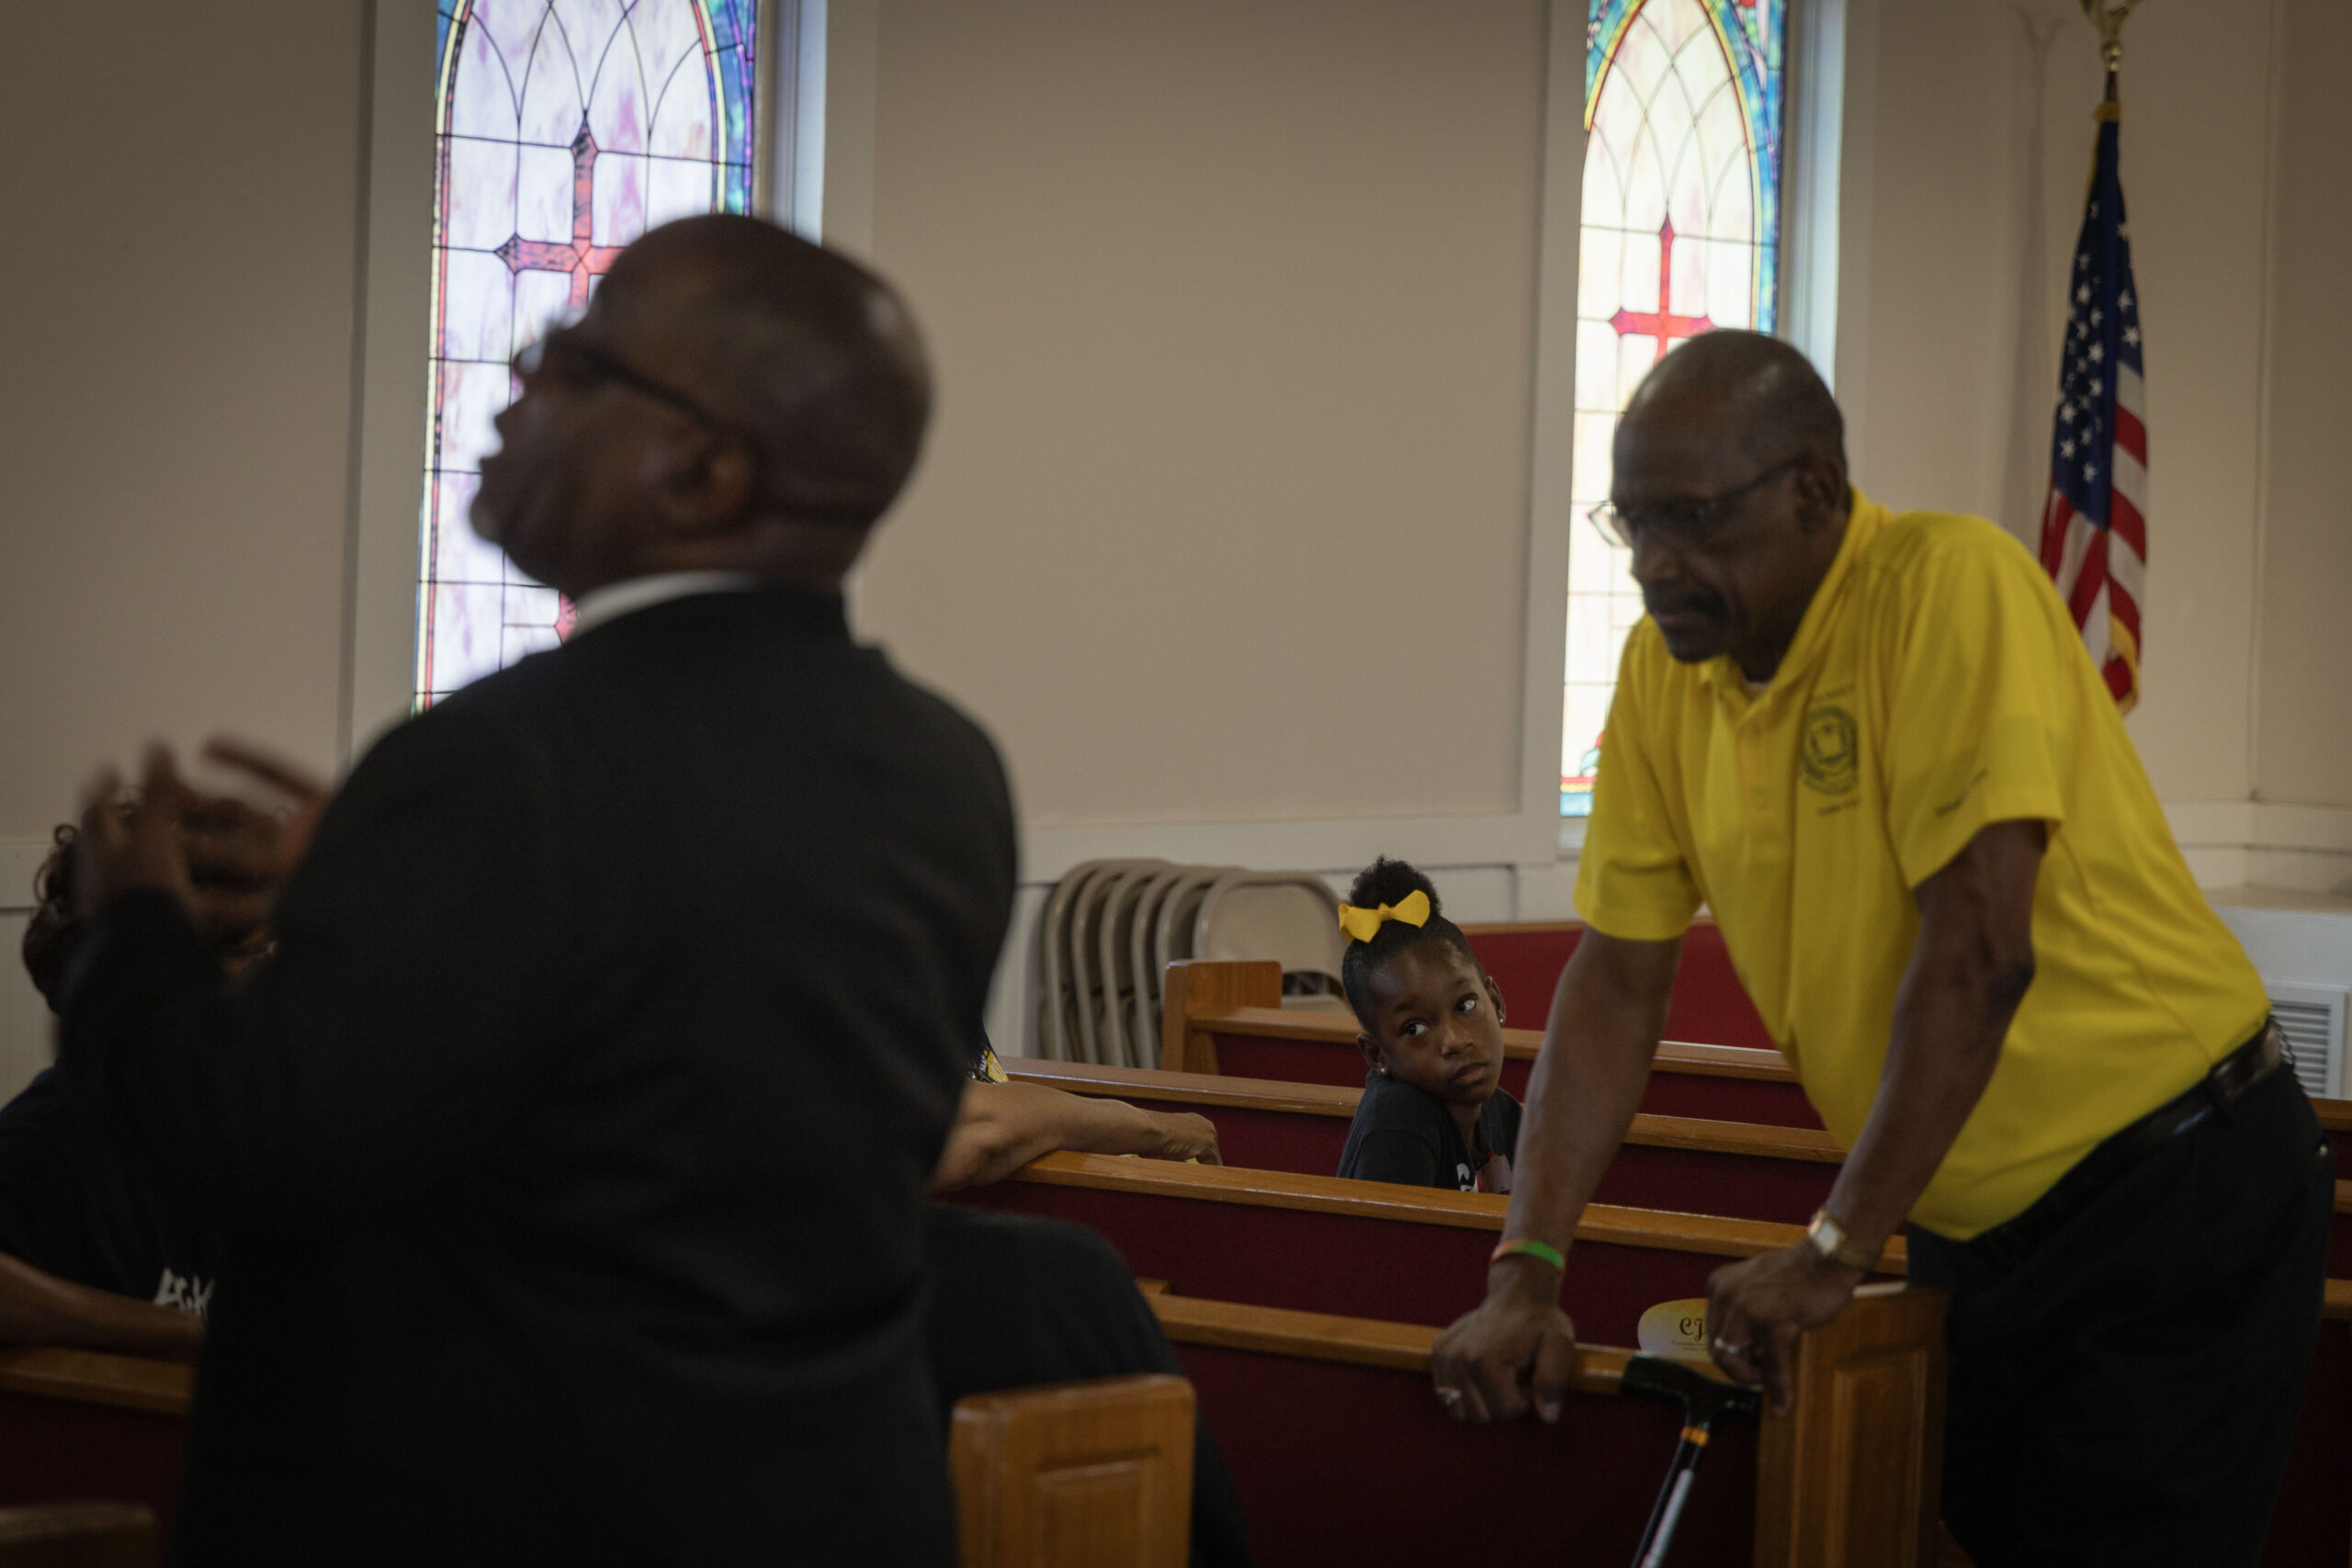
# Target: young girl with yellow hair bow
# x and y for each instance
(1434, 1113)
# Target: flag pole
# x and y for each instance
(2108, 16)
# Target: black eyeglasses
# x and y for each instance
(610, 367)
(1680, 523)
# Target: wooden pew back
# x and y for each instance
(1709, 1003)
(81, 1535)
(1229, 1019)
(1075, 1475)
(1735, 1168)
(1342, 1456)
(52, 1396)
(1366, 1248)
(67, 1416)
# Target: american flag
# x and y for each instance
(2095, 524)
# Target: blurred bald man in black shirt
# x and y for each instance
(573, 1144)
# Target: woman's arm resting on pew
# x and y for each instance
(41, 1309)
(999, 1127)
(1607, 1017)
(1969, 967)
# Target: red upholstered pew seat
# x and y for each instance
(1709, 1004)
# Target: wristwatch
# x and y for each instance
(1827, 1237)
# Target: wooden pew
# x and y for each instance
(81, 1535)
(1228, 1018)
(1107, 1466)
(2335, 1126)
(1342, 1457)
(1683, 1164)
(77, 1425)
(1709, 1003)
(74, 1425)
(1097, 1474)
(1732, 1169)
(1366, 1248)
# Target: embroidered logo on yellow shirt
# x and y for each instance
(1833, 750)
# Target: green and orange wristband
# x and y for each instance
(1535, 1249)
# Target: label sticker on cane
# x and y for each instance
(1675, 1329)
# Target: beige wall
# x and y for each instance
(2236, 149)
(2305, 755)
(1225, 514)
(175, 369)
(1950, 205)
(1118, 288)
(1226, 518)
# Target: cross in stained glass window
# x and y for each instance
(563, 129)
(1680, 236)
(582, 258)
(1661, 324)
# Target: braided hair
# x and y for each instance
(1390, 882)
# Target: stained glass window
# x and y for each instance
(1681, 234)
(564, 129)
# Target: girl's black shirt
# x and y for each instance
(72, 1205)
(1408, 1136)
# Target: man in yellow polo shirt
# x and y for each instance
(1874, 747)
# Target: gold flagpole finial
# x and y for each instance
(2108, 16)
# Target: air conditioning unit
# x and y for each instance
(2312, 1020)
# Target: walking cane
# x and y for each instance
(1703, 1399)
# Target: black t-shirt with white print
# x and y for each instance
(70, 1205)
(1408, 1136)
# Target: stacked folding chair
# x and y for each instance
(1110, 928)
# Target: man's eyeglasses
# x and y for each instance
(1680, 523)
(570, 356)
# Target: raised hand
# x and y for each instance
(240, 855)
(130, 845)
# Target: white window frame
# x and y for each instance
(390, 375)
(1815, 198)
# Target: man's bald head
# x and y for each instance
(735, 398)
(1729, 476)
(1752, 390)
(814, 357)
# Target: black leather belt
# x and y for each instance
(2009, 1243)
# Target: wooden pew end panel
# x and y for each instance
(1076, 1475)
(81, 1535)
(1858, 1458)
(1190, 988)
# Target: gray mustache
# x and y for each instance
(1693, 603)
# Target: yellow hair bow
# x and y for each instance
(1362, 925)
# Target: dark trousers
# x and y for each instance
(2126, 1393)
(1018, 1301)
